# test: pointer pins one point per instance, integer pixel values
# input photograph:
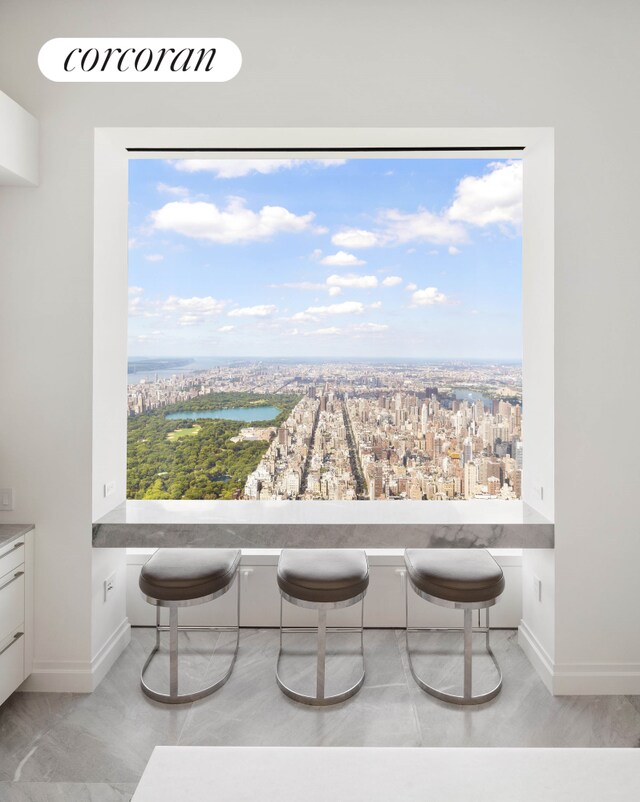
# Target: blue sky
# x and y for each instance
(384, 257)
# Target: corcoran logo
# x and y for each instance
(139, 60)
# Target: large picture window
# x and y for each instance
(325, 328)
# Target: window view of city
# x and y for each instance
(325, 329)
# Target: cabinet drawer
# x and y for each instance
(11, 556)
(11, 601)
(11, 664)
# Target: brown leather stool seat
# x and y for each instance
(465, 579)
(455, 575)
(176, 578)
(186, 574)
(324, 580)
(323, 575)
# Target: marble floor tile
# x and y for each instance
(66, 792)
(379, 714)
(94, 747)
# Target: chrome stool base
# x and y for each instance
(467, 697)
(320, 699)
(173, 697)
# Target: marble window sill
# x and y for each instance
(334, 524)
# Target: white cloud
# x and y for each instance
(351, 280)
(200, 306)
(154, 257)
(180, 192)
(376, 305)
(189, 320)
(133, 290)
(299, 285)
(225, 329)
(236, 168)
(262, 310)
(391, 281)
(331, 330)
(453, 251)
(422, 225)
(342, 259)
(234, 223)
(333, 291)
(356, 238)
(411, 287)
(428, 297)
(345, 308)
(370, 327)
(316, 254)
(495, 197)
(398, 228)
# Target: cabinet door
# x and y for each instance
(11, 664)
(11, 601)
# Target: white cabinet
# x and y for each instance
(16, 612)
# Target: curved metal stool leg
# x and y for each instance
(467, 697)
(320, 700)
(173, 697)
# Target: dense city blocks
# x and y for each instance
(352, 430)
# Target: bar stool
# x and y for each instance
(177, 578)
(464, 579)
(322, 579)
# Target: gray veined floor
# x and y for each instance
(73, 747)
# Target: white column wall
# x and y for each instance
(423, 63)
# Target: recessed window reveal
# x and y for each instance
(325, 328)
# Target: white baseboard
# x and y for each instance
(537, 654)
(78, 677)
(579, 679)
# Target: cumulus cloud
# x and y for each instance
(331, 330)
(189, 320)
(342, 259)
(345, 308)
(351, 280)
(370, 328)
(234, 223)
(356, 238)
(180, 192)
(133, 290)
(299, 285)
(422, 225)
(495, 197)
(200, 306)
(262, 310)
(411, 287)
(391, 281)
(333, 291)
(154, 257)
(225, 329)
(398, 228)
(453, 251)
(236, 168)
(430, 296)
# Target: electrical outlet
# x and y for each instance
(109, 586)
(7, 499)
(109, 489)
(537, 588)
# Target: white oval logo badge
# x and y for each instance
(139, 60)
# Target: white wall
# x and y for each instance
(18, 144)
(423, 63)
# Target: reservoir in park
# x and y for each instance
(244, 414)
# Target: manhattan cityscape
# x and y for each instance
(359, 430)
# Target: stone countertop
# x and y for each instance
(9, 532)
(323, 524)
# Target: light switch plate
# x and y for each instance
(7, 499)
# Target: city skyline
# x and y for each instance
(368, 258)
